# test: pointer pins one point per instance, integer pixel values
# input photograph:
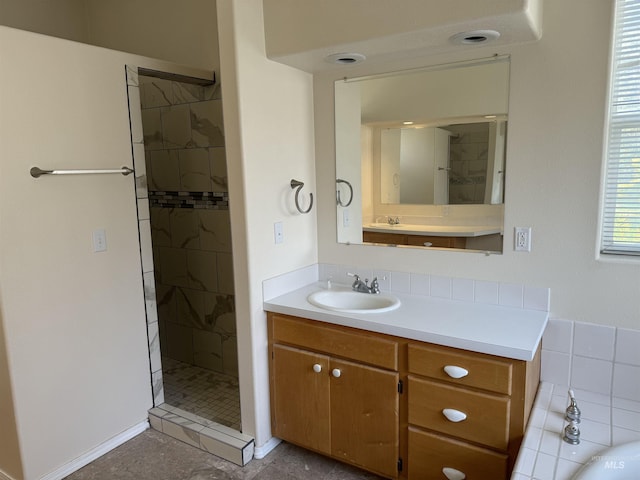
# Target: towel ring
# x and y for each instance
(339, 180)
(297, 184)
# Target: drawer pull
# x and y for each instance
(453, 474)
(317, 368)
(456, 372)
(336, 372)
(453, 415)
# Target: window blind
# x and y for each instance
(621, 204)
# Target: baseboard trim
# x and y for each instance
(76, 464)
(4, 476)
(264, 449)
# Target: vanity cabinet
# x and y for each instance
(397, 407)
(414, 240)
(335, 391)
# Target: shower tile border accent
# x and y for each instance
(201, 433)
(206, 200)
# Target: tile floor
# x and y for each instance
(155, 456)
(208, 394)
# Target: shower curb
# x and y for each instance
(203, 434)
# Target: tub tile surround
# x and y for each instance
(602, 365)
(606, 420)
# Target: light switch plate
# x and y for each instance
(99, 240)
(278, 232)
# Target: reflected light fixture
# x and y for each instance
(345, 58)
(474, 37)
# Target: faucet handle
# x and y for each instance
(573, 412)
(375, 287)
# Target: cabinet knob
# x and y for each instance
(317, 368)
(453, 415)
(456, 372)
(453, 474)
(336, 372)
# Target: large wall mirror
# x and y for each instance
(421, 156)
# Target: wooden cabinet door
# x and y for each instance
(364, 416)
(300, 396)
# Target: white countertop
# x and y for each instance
(434, 230)
(492, 329)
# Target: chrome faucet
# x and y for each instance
(571, 433)
(393, 221)
(364, 287)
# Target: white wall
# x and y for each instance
(62, 18)
(556, 120)
(183, 32)
(268, 117)
(74, 320)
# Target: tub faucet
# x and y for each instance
(571, 433)
(573, 412)
(364, 287)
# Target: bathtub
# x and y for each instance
(620, 462)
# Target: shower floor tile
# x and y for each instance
(212, 395)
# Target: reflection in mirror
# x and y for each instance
(424, 152)
(445, 165)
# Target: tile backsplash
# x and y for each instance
(596, 358)
(462, 289)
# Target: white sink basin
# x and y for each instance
(353, 302)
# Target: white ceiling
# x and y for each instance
(301, 33)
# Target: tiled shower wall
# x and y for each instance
(190, 225)
(468, 163)
(220, 322)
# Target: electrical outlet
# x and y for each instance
(522, 239)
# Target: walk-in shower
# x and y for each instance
(185, 184)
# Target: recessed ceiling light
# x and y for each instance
(474, 37)
(407, 123)
(345, 58)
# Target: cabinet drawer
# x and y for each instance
(354, 345)
(487, 415)
(483, 371)
(429, 454)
